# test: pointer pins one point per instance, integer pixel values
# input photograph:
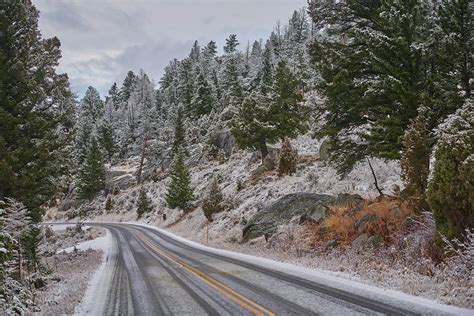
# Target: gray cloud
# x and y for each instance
(102, 40)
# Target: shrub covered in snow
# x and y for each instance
(213, 201)
(451, 189)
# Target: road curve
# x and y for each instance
(148, 272)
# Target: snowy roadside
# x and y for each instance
(336, 280)
(73, 254)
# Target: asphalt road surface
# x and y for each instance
(151, 273)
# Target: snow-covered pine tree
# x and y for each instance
(127, 87)
(202, 102)
(32, 96)
(92, 173)
(288, 113)
(109, 203)
(267, 69)
(143, 203)
(450, 190)
(288, 159)
(251, 127)
(213, 202)
(106, 139)
(179, 133)
(179, 192)
(231, 44)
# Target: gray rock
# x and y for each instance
(309, 206)
(273, 153)
(374, 241)
(331, 243)
(123, 182)
(69, 202)
(324, 151)
(360, 241)
(223, 139)
(364, 219)
(257, 173)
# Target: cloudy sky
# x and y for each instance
(103, 39)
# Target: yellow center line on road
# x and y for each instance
(241, 300)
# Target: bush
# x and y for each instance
(109, 204)
(143, 203)
(415, 160)
(213, 202)
(383, 217)
(288, 159)
(450, 191)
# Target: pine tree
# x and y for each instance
(106, 139)
(288, 114)
(378, 63)
(251, 127)
(92, 107)
(179, 134)
(210, 51)
(127, 86)
(109, 203)
(415, 160)
(213, 202)
(92, 173)
(267, 69)
(114, 96)
(288, 159)
(179, 192)
(195, 54)
(231, 44)
(203, 102)
(143, 203)
(450, 190)
(32, 95)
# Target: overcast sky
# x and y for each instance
(103, 39)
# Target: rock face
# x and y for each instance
(306, 206)
(223, 139)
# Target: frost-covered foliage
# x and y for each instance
(15, 252)
(179, 192)
(451, 188)
(143, 203)
(415, 160)
(213, 202)
(288, 159)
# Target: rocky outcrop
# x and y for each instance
(324, 150)
(224, 140)
(297, 207)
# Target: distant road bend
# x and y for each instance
(150, 273)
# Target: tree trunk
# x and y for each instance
(140, 168)
(264, 151)
(375, 178)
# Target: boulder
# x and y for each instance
(308, 206)
(273, 155)
(365, 219)
(224, 140)
(360, 241)
(324, 150)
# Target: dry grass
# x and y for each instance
(384, 217)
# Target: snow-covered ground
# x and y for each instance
(380, 268)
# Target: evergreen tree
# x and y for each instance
(450, 190)
(92, 107)
(210, 51)
(288, 114)
(109, 203)
(251, 127)
(455, 19)
(288, 159)
(92, 173)
(415, 160)
(179, 134)
(114, 96)
(203, 102)
(195, 54)
(127, 86)
(267, 69)
(106, 139)
(213, 202)
(231, 44)
(143, 203)
(179, 192)
(32, 96)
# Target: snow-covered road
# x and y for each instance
(152, 272)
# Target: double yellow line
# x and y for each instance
(238, 298)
